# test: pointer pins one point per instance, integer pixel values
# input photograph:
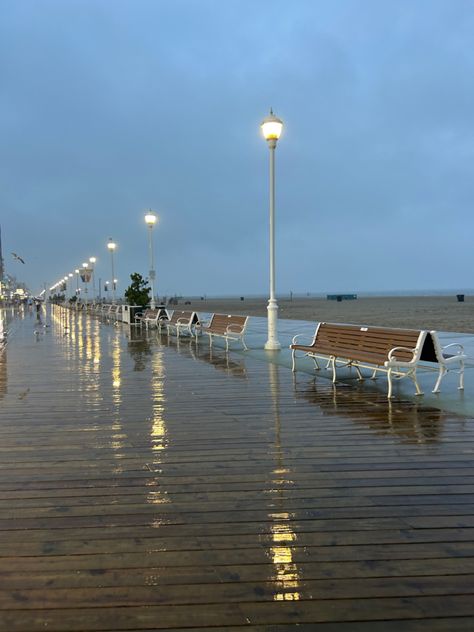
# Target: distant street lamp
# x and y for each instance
(77, 281)
(271, 128)
(111, 245)
(85, 271)
(92, 262)
(151, 219)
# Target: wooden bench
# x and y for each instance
(114, 312)
(182, 321)
(156, 317)
(225, 326)
(397, 352)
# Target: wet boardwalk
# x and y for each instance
(146, 485)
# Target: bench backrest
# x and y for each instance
(155, 314)
(191, 318)
(220, 322)
(379, 341)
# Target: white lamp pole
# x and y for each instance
(77, 282)
(271, 128)
(92, 261)
(151, 219)
(111, 245)
(86, 283)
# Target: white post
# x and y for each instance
(113, 275)
(272, 308)
(93, 283)
(152, 267)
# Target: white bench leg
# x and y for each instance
(417, 386)
(461, 375)
(332, 362)
(293, 360)
(441, 374)
(389, 380)
(245, 346)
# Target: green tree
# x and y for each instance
(138, 292)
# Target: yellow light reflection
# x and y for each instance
(116, 379)
(158, 431)
(286, 573)
(117, 438)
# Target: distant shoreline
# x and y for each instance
(323, 295)
(438, 312)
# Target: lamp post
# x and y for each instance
(151, 219)
(271, 128)
(85, 268)
(111, 245)
(77, 282)
(92, 261)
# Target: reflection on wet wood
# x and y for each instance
(142, 489)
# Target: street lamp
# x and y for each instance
(271, 128)
(85, 268)
(111, 245)
(151, 219)
(93, 260)
(77, 281)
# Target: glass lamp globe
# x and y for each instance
(271, 127)
(151, 218)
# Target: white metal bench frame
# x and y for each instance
(182, 324)
(393, 367)
(158, 317)
(233, 331)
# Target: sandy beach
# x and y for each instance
(441, 313)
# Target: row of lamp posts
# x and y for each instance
(271, 127)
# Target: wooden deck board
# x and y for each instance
(146, 485)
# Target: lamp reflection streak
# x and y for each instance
(117, 443)
(158, 431)
(286, 573)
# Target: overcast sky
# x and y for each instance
(109, 107)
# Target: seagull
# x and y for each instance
(17, 257)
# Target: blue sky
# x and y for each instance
(109, 107)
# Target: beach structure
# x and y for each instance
(155, 483)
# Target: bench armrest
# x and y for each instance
(391, 353)
(239, 329)
(295, 338)
(180, 321)
(455, 344)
